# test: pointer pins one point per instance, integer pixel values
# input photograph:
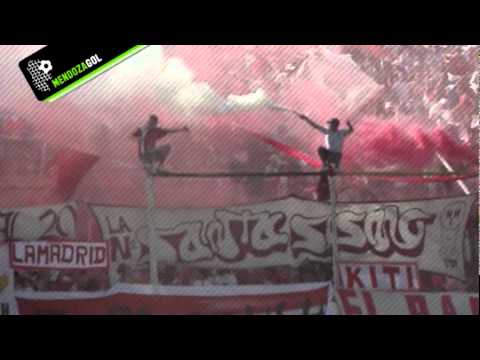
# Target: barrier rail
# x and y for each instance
(313, 173)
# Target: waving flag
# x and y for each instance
(72, 166)
(316, 164)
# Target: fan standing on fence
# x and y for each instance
(151, 155)
(331, 154)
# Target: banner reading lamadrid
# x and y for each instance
(307, 299)
(357, 302)
(406, 236)
(67, 255)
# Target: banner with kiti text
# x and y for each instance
(388, 243)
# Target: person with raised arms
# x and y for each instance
(151, 155)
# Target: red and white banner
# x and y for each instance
(307, 299)
(283, 232)
(66, 255)
(38, 223)
(363, 302)
(425, 235)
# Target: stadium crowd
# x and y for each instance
(437, 83)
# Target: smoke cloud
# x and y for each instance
(214, 90)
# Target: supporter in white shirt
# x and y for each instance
(474, 82)
(331, 154)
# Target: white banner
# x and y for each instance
(283, 232)
(420, 235)
(37, 223)
(427, 233)
(363, 302)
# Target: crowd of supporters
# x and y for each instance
(438, 83)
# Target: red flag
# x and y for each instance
(72, 166)
(418, 179)
(288, 150)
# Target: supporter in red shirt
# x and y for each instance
(152, 156)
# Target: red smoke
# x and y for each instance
(378, 144)
(215, 142)
(316, 164)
